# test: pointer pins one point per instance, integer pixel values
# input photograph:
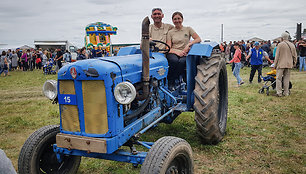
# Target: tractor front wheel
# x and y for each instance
(37, 155)
(169, 155)
(211, 99)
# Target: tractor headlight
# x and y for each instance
(125, 93)
(50, 89)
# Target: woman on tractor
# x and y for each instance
(178, 39)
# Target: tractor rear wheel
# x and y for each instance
(37, 155)
(169, 155)
(211, 99)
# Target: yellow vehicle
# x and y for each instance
(99, 34)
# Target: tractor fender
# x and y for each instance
(202, 49)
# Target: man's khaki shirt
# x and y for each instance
(160, 34)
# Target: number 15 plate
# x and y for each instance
(67, 99)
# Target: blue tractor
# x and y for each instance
(109, 102)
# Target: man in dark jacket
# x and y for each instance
(59, 58)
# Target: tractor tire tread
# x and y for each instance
(207, 99)
(159, 153)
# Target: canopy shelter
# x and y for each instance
(255, 39)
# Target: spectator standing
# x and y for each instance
(228, 51)
(40, 52)
(2, 61)
(88, 53)
(274, 44)
(256, 55)
(38, 60)
(14, 60)
(44, 58)
(19, 54)
(6, 66)
(24, 60)
(237, 61)
(302, 50)
(82, 55)
(67, 56)
(99, 51)
(232, 52)
(285, 59)
(9, 58)
(31, 60)
(267, 48)
(93, 52)
(59, 58)
(274, 50)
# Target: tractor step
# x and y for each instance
(181, 107)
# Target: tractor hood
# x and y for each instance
(128, 68)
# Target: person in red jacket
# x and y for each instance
(237, 62)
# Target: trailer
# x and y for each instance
(53, 44)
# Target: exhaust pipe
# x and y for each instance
(145, 50)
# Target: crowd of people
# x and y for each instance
(25, 60)
(268, 48)
(30, 59)
(282, 55)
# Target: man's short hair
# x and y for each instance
(159, 9)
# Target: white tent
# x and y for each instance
(25, 47)
(256, 39)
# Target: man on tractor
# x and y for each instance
(159, 30)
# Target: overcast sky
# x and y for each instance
(23, 21)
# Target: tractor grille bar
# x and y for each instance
(95, 112)
(69, 113)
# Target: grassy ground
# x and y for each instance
(265, 134)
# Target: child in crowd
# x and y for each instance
(6, 67)
(273, 71)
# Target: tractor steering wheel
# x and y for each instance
(156, 49)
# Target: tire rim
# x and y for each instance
(179, 165)
(47, 160)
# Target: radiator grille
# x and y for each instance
(69, 113)
(95, 112)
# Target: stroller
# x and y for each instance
(270, 81)
(49, 68)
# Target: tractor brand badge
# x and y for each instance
(73, 72)
(161, 71)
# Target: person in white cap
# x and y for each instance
(285, 59)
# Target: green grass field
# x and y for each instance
(265, 134)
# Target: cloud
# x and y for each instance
(25, 21)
